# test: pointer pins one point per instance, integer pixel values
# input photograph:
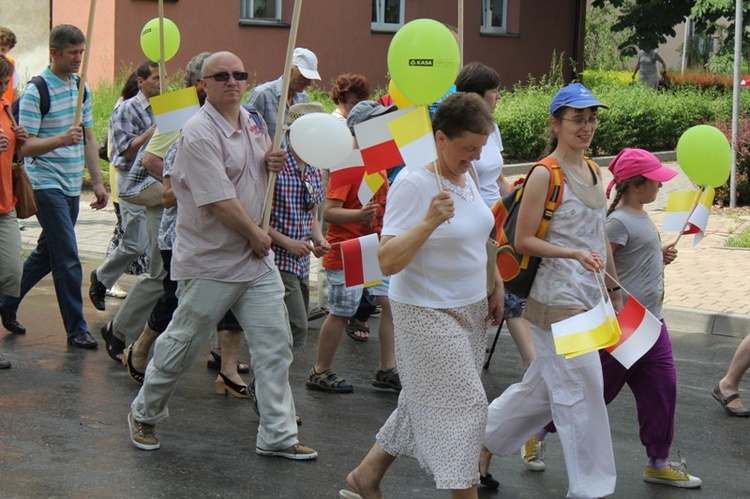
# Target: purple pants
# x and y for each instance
(653, 381)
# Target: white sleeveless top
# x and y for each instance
(564, 281)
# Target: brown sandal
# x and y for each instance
(740, 412)
(352, 328)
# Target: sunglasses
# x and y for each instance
(224, 76)
(309, 196)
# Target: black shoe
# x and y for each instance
(97, 292)
(10, 323)
(489, 482)
(83, 340)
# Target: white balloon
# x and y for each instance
(321, 140)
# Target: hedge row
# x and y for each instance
(638, 117)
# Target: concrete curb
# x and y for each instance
(702, 321)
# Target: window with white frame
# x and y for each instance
(494, 16)
(260, 10)
(387, 15)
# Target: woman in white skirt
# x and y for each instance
(570, 391)
(433, 246)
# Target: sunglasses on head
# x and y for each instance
(224, 76)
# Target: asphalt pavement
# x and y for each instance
(63, 431)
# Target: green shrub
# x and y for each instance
(595, 78)
(638, 117)
(743, 161)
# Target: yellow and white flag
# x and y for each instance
(679, 205)
(413, 135)
(371, 183)
(172, 110)
(586, 332)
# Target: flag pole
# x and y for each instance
(437, 176)
(162, 74)
(460, 33)
(692, 210)
(85, 64)
(282, 110)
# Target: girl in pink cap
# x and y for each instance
(640, 258)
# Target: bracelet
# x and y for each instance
(611, 290)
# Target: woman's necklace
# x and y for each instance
(466, 192)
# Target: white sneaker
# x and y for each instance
(117, 292)
(532, 454)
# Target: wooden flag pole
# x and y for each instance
(85, 65)
(280, 117)
(162, 72)
(692, 210)
(460, 33)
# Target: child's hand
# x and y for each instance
(669, 253)
(368, 212)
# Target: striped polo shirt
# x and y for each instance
(61, 168)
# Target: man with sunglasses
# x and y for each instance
(265, 98)
(222, 260)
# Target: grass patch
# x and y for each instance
(741, 240)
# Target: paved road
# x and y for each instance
(63, 430)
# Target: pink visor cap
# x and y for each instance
(633, 162)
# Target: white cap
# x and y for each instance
(307, 63)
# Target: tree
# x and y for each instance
(652, 21)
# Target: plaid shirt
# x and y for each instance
(128, 122)
(290, 215)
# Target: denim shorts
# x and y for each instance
(344, 302)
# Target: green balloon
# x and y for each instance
(704, 154)
(150, 39)
(423, 60)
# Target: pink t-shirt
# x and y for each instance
(216, 162)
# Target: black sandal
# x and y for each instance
(214, 363)
(133, 373)
(115, 345)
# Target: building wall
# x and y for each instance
(102, 37)
(30, 21)
(338, 31)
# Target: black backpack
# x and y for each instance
(44, 102)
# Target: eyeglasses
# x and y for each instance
(309, 196)
(224, 76)
(582, 122)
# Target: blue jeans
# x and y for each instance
(56, 252)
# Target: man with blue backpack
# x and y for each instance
(55, 154)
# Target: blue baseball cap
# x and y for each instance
(576, 96)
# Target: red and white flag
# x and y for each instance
(640, 330)
(376, 142)
(360, 257)
(350, 172)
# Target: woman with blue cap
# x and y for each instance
(575, 246)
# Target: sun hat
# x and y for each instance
(576, 96)
(301, 109)
(632, 162)
(306, 62)
(364, 110)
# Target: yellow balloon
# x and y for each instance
(150, 39)
(398, 98)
